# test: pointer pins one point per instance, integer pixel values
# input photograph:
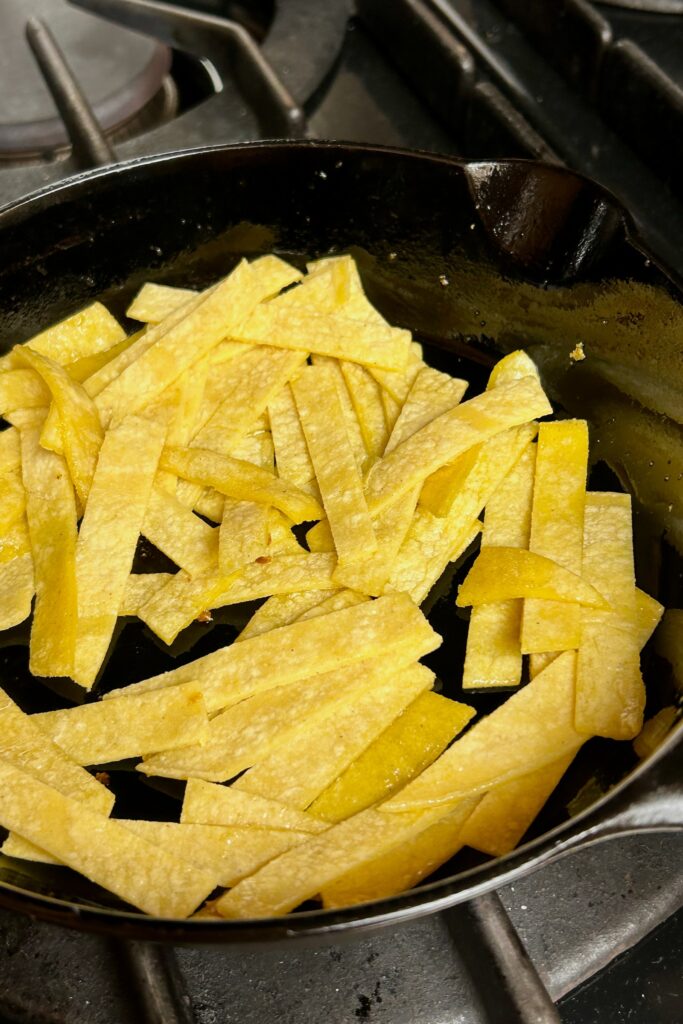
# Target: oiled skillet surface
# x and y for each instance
(475, 261)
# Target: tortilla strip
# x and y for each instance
(557, 530)
(303, 649)
(13, 505)
(80, 429)
(366, 398)
(145, 875)
(16, 590)
(207, 804)
(154, 302)
(243, 535)
(322, 746)
(230, 853)
(108, 536)
(341, 487)
(450, 435)
(241, 480)
(350, 419)
(86, 366)
(183, 598)
(328, 334)
(15, 542)
(291, 451)
(501, 573)
(535, 726)
(10, 451)
(493, 656)
(130, 726)
(648, 615)
(405, 748)
(248, 731)
(402, 868)
(303, 872)
(90, 330)
(432, 394)
(281, 609)
(610, 695)
(498, 823)
(51, 516)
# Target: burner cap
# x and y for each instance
(118, 70)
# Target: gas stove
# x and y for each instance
(597, 87)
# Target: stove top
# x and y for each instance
(596, 87)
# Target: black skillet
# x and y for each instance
(475, 259)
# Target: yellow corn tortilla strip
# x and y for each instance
(174, 350)
(243, 534)
(312, 867)
(86, 366)
(412, 741)
(241, 480)
(207, 804)
(181, 535)
(450, 435)
(183, 598)
(145, 875)
(80, 428)
(129, 726)
(281, 609)
(501, 819)
(304, 649)
(534, 726)
(341, 487)
(366, 398)
(24, 745)
(22, 389)
(322, 746)
(16, 590)
(350, 419)
(247, 732)
(209, 503)
(91, 330)
(493, 656)
(502, 573)
(229, 853)
(51, 517)
(401, 868)
(431, 543)
(108, 536)
(13, 505)
(257, 377)
(15, 541)
(610, 695)
(557, 529)
(139, 589)
(333, 603)
(655, 730)
(184, 421)
(431, 394)
(291, 451)
(648, 616)
(329, 334)
(281, 539)
(154, 302)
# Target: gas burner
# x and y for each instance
(124, 75)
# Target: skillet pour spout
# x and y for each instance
(476, 260)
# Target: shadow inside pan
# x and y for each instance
(475, 261)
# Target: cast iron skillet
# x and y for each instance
(476, 259)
